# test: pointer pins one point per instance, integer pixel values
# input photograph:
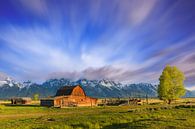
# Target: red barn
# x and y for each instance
(70, 96)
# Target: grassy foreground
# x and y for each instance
(150, 116)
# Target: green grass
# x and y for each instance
(145, 116)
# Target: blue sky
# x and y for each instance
(123, 40)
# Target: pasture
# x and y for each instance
(155, 115)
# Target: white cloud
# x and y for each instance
(34, 50)
(90, 60)
(192, 88)
(3, 76)
(141, 11)
(61, 48)
(45, 56)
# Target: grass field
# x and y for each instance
(140, 116)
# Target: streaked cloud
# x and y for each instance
(128, 41)
(141, 10)
(38, 7)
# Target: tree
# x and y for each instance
(36, 97)
(171, 85)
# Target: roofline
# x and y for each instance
(20, 98)
(72, 90)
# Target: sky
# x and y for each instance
(129, 41)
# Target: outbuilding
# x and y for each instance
(69, 96)
(21, 100)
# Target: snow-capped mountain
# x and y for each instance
(26, 84)
(8, 87)
(3, 83)
(94, 88)
(9, 83)
(110, 84)
(190, 93)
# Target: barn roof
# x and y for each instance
(66, 90)
(21, 98)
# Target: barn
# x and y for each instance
(69, 96)
(21, 100)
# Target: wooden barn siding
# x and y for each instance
(20, 101)
(78, 91)
(75, 101)
(48, 103)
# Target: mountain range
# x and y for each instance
(94, 88)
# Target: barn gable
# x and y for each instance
(71, 90)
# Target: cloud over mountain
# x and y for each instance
(129, 41)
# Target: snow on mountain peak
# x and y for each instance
(26, 84)
(5, 80)
(3, 83)
(106, 83)
(8, 81)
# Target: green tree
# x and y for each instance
(36, 97)
(171, 85)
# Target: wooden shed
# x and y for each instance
(70, 96)
(21, 100)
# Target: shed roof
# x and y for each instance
(21, 98)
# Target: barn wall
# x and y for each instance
(75, 101)
(20, 101)
(48, 103)
(88, 102)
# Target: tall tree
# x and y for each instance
(36, 97)
(171, 85)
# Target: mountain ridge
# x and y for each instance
(95, 88)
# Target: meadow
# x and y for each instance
(156, 115)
